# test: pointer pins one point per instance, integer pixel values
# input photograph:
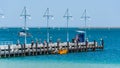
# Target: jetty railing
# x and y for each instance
(6, 42)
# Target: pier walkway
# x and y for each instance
(51, 48)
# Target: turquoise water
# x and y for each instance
(108, 58)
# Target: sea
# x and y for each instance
(107, 58)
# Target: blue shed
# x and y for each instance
(81, 36)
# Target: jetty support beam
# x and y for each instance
(102, 41)
(86, 43)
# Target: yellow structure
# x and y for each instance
(63, 51)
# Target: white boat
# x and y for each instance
(25, 28)
(80, 31)
(23, 33)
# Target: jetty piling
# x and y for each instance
(29, 53)
(5, 52)
(18, 53)
(22, 50)
(94, 45)
(44, 48)
(47, 48)
(68, 46)
(9, 50)
(13, 52)
(40, 51)
(102, 44)
(77, 47)
(36, 47)
(58, 45)
(86, 43)
(32, 46)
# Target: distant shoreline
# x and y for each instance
(69, 27)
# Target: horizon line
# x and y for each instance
(57, 27)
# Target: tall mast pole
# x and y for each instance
(25, 15)
(67, 16)
(85, 17)
(48, 16)
(85, 26)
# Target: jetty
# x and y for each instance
(79, 44)
(37, 48)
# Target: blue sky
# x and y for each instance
(103, 13)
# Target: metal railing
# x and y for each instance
(6, 42)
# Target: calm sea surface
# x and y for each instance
(108, 58)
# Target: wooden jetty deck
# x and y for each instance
(51, 48)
